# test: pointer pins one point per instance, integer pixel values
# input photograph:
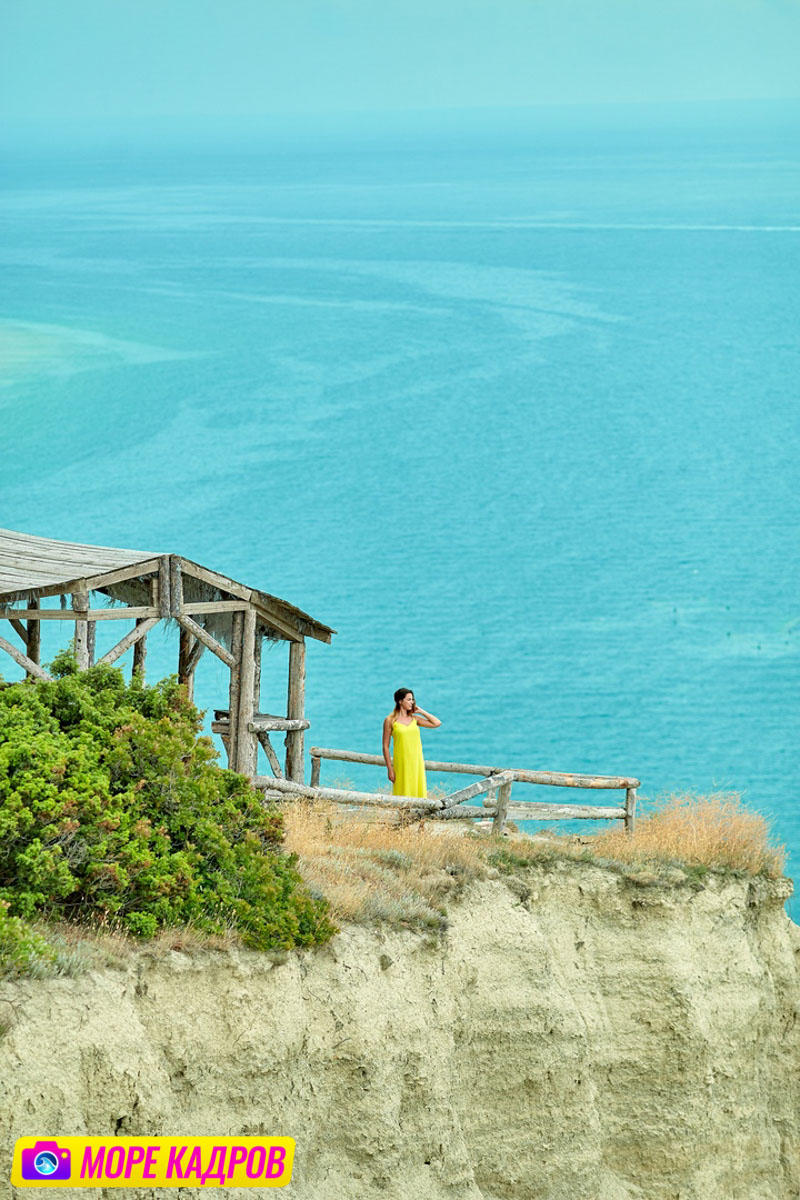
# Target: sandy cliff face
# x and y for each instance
(576, 1038)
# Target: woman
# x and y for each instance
(407, 767)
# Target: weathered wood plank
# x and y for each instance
(164, 604)
(94, 582)
(267, 721)
(221, 582)
(295, 710)
(34, 633)
(175, 586)
(247, 742)
(630, 809)
(316, 767)
(476, 789)
(541, 811)
(210, 642)
(503, 800)
(140, 650)
(233, 693)
(26, 663)
(562, 779)
(20, 629)
(257, 670)
(80, 604)
(122, 613)
(462, 812)
(200, 607)
(341, 796)
(132, 638)
(196, 653)
(263, 738)
(553, 778)
(186, 641)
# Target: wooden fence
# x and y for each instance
(495, 786)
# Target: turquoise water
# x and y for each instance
(511, 406)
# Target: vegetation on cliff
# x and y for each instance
(376, 872)
(113, 809)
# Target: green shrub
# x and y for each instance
(113, 807)
(22, 950)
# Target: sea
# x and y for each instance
(509, 399)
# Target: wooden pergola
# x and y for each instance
(212, 612)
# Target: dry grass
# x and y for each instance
(713, 831)
(373, 870)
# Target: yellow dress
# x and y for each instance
(408, 762)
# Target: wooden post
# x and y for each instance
(91, 641)
(503, 798)
(34, 650)
(163, 586)
(185, 646)
(295, 707)
(247, 750)
(233, 695)
(257, 671)
(316, 767)
(140, 653)
(175, 587)
(80, 604)
(630, 809)
(185, 639)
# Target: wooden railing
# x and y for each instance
(496, 786)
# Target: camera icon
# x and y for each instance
(46, 1160)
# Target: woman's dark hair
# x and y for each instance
(401, 694)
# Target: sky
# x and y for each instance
(111, 60)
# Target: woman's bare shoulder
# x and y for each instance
(389, 720)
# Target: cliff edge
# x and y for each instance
(573, 1036)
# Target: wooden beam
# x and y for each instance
(554, 778)
(91, 641)
(247, 741)
(630, 809)
(340, 796)
(186, 641)
(463, 812)
(503, 798)
(233, 694)
(476, 789)
(132, 638)
(316, 767)
(281, 621)
(105, 579)
(34, 633)
(263, 738)
(20, 629)
(197, 651)
(164, 608)
(295, 710)
(257, 671)
(200, 607)
(122, 613)
(221, 582)
(203, 636)
(272, 724)
(140, 649)
(175, 586)
(28, 664)
(80, 604)
(539, 811)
